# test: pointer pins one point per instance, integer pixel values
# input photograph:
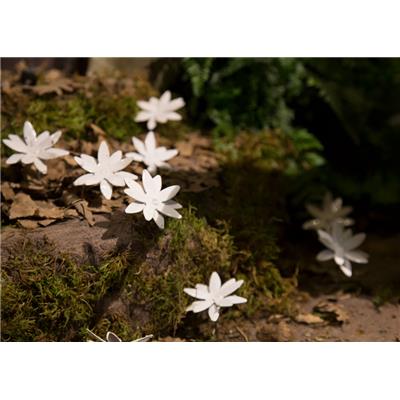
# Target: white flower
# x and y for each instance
(152, 200)
(341, 244)
(330, 213)
(112, 337)
(35, 148)
(150, 154)
(214, 296)
(106, 170)
(159, 110)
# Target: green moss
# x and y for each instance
(49, 297)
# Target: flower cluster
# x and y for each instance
(330, 222)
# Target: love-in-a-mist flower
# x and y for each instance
(332, 212)
(106, 170)
(112, 337)
(214, 296)
(152, 200)
(35, 148)
(341, 244)
(159, 110)
(148, 152)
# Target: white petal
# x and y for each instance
(173, 204)
(173, 116)
(151, 124)
(139, 146)
(40, 166)
(169, 211)
(165, 97)
(103, 154)
(142, 116)
(167, 154)
(199, 306)
(213, 313)
(44, 139)
(230, 286)
(357, 256)
(87, 162)
(145, 105)
(325, 255)
(55, 137)
(157, 183)
(135, 156)
(355, 241)
(52, 153)
(158, 219)
(106, 189)
(236, 299)
(87, 179)
(169, 192)
(147, 181)
(136, 192)
(28, 158)
(326, 239)
(315, 211)
(116, 180)
(14, 158)
(190, 291)
(176, 104)
(15, 143)
(134, 208)
(150, 142)
(29, 133)
(202, 291)
(346, 268)
(126, 176)
(148, 212)
(215, 283)
(122, 164)
(116, 156)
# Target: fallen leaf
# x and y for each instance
(185, 148)
(309, 319)
(46, 222)
(22, 206)
(7, 191)
(28, 223)
(48, 210)
(331, 312)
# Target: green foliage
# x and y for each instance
(230, 94)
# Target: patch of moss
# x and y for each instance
(48, 297)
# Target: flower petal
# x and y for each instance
(357, 256)
(103, 154)
(326, 239)
(106, 189)
(143, 116)
(151, 124)
(169, 192)
(87, 179)
(158, 219)
(87, 162)
(213, 312)
(116, 156)
(52, 153)
(122, 164)
(199, 306)
(215, 283)
(15, 143)
(354, 241)
(40, 165)
(169, 211)
(230, 286)
(176, 104)
(346, 268)
(134, 208)
(135, 191)
(148, 212)
(29, 133)
(150, 142)
(126, 176)
(147, 181)
(14, 158)
(235, 299)
(116, 180)
(135, 156)
(167, 154)
(173, 204)
(139, 146)
(145, 105)
(173, 116)
(55, 137)
(325, 255)
(28, 158)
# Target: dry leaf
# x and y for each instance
(331, 312)
(185, 148)
(46, 222)
(48, 210)
(7, 191)
(22, 206)
(28, 223)
(309, 319)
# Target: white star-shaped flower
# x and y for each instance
(152, 200)
(330, 213)
(159, 110)
(35, 148)
(341, 248)
(106, 170)
(148, 152)
(214, 296)
(112, 337)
